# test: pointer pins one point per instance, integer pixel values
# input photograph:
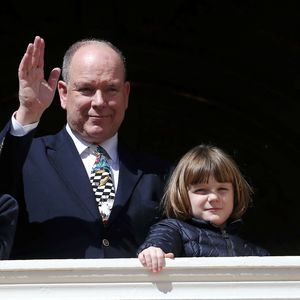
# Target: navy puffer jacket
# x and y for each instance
(195, 238)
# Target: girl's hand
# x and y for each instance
(154, 258)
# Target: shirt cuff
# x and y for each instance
(18, 129)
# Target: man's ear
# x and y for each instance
(63, 91)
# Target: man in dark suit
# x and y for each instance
(8, 222)
(49, 175)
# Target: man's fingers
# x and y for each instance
(25, 62)
(53, 78)
(38, 53)
(41, 54)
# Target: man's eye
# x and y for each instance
(112, 89)
(86, 90)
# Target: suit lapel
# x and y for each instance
(64, 157)
(129, 176)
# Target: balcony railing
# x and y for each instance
(183, 278)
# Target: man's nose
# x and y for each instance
(98, 98)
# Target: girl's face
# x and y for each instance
(212, 201)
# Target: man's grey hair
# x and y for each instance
(77, 45)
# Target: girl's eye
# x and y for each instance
(200, 191)
(224, 189)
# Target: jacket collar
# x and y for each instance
(110, 145)
(231, 226)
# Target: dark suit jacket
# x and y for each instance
(8, 221)
(59, 217)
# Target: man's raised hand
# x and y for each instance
(35, 93)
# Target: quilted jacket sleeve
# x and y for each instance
(8, 221)
(165, 235)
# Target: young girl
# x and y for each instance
(204, 201)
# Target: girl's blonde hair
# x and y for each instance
(195, 167)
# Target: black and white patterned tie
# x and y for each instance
(102, 183)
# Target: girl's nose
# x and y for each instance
(213, 196)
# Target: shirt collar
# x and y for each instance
(110, 145)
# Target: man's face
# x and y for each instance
(96, 95)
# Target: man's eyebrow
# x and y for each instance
(80, 83)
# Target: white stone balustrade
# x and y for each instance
(183, 278)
